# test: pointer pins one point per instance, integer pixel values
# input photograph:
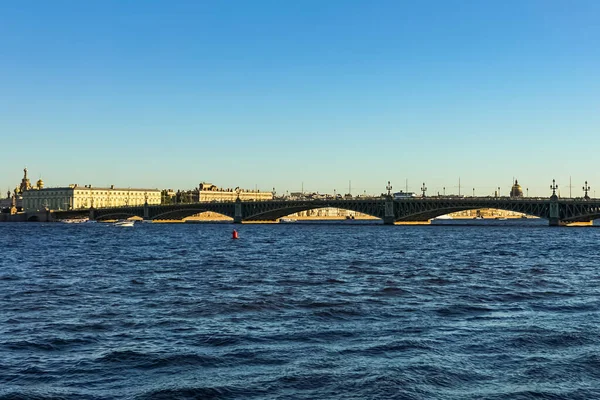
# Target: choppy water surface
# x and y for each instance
(299, 312)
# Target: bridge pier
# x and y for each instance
(237, 216)
(389, 217)
(146, 211)
(92, 214)
(554, 214)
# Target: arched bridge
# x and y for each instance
(557, 211)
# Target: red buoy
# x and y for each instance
(234, 235)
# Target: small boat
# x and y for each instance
(124, 223)
(75, 221)
(478, 217)
(443, 217)
(287, 220)
(501, 218)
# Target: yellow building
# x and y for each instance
(78, 197)
(208, 192)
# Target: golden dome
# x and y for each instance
(40, 184)
(516, 190)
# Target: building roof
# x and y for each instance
(97, 188)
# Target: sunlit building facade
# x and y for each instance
(82, 197)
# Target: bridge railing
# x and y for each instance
(466, 199)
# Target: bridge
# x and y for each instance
(558, 211)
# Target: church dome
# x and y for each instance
(40, 184)
(516, 190)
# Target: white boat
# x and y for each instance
(124, 223)
(287, 220)
(75, 221)
(443, 217)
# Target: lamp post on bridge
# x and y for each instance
(444, 188)
(586, 189)
(423, 189)
(388, 213)
(554, 212)
(527, 192)
(554, 186)
(499, 192)
(473, 192)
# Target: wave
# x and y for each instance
(50, 344)
(202, 392)
(462, 310)
(135, 359)
(37, 396)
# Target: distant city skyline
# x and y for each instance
(570, 189)
(279, 95)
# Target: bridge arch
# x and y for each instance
(117, 215)
(582, 218)
(180, 214)
(281, 212)
(425, 215)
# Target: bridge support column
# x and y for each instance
(237, 219)
(146, 211)
(389, 217)
(92, 214)
(554, 214)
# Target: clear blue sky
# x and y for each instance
(276, 93)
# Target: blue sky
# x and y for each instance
(276, 93)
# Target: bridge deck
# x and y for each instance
(390, 210)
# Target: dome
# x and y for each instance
(40, 184)
(516, 190)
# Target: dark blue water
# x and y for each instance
(299, 312)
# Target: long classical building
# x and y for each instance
(209, 192)
(78, 197)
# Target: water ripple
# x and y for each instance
(298, 311)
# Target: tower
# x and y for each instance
(25, 184)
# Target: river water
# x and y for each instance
(299, 311)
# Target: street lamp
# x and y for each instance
(389, 188)
(473, 192)
(554, 186)
(423, 189)
(498, 191)
(586, 189)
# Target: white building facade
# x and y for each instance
(83, 197)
